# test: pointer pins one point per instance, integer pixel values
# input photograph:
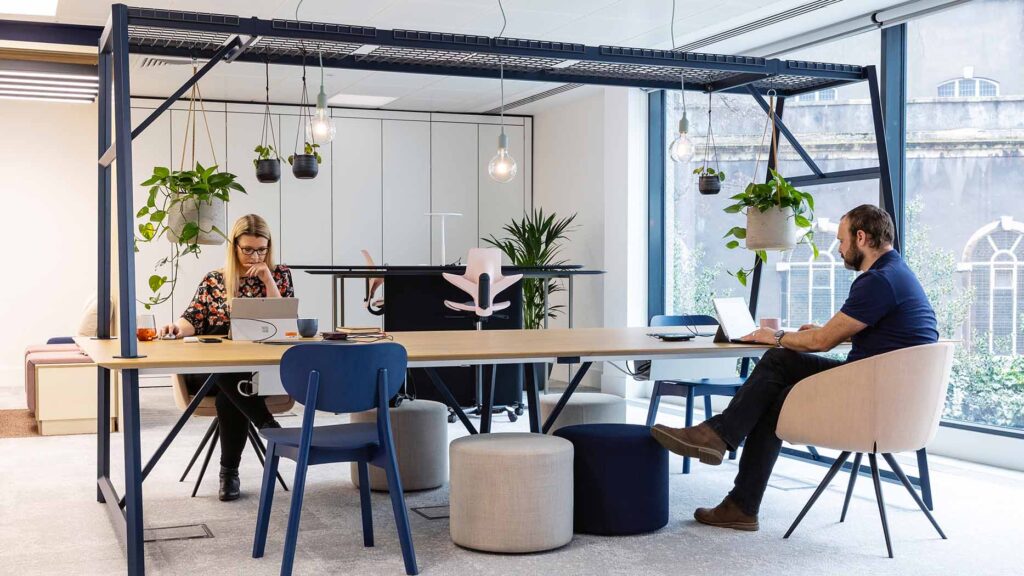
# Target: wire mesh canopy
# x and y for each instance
(200, 35)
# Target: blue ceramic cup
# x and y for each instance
(307, 327)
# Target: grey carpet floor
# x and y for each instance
(50, 522)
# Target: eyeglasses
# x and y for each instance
(250, 251)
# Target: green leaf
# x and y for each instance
(161, 172)
(156, 281)
(733, 209)
(721, 176)
(189, 231)
(732, 244)
(802, 222)
(157, 216)
(742, 277)
(147, 231)
(142, 212)
(814, 247)
(762, 255)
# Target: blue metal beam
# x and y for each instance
(837, 177)
(656, 196)
(49, 32)
(885, 179)
(894, 112)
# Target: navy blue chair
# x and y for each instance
(340, 379)
(706, 387)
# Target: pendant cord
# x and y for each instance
(501, 66)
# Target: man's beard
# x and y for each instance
(853, 258)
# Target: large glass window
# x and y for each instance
(965, 217)
(834, 126)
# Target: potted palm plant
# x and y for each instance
(185, 206)
(535, 241)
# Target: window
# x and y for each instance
(965, 220)
(968, 88)
(826, 95)
(814, 290)
(993, 260)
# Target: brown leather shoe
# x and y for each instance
(726, 515)
(700, 442)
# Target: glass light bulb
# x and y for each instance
(321, 128)
(502, 167)
(681, 149)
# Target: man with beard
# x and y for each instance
(886, 310)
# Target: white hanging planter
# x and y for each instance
(206, 214)
(772, 230)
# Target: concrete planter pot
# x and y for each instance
(206, 214)
(772, 230)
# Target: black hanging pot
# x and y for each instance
(268, 170)
(709, 184)
(304, 166)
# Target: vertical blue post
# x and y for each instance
(103, 270)
(656, 190)
(885, 182)
(893, 88)
(126, 260)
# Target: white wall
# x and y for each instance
(48, 168)
(590, 158)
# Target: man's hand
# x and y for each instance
(809, 327)
(760, 336)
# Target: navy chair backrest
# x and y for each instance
(685, 320)
(348, 374)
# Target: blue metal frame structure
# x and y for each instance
(218, 37)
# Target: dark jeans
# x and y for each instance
(754, 413)
(234, 412)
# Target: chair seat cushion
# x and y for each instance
(621, 479)
(336, 437)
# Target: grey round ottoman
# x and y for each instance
(511, 492)
(584, 408)
(420, 430)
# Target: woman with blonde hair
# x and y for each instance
(248, 273)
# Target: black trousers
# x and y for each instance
(754, 413)
(234, 412)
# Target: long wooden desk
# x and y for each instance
(425, 350)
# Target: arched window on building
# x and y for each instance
(814, 290)
(968, 88)
(994, 261)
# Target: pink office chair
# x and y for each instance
(375, 306)
(482, 281)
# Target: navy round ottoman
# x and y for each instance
(620, 477)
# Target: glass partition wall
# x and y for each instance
(964, 207)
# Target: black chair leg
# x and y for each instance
(849, 487)
(838, 465)
(906, 484)
(206, 461)
(199, 450)
(881, 503)
(261, 451)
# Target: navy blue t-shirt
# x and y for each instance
(890, 300)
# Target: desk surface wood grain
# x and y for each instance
(425, 347)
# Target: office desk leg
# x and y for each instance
(566, 395)
(133, 474)
(533, 395)
(102, 428)
(445, 393)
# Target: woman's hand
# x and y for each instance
(171, 329)
(260, 270)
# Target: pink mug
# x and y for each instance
(772, 323)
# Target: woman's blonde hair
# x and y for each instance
(255, 226)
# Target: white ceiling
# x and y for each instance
(639, 23)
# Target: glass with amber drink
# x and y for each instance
(145, 327)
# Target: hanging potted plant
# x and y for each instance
(268, 165)
(267, 161)
(709, 180)
(186, 206)
(778, 215)
(306, 165)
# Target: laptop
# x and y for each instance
(734, 319)
(264, 319)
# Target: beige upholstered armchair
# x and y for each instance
(880, 405)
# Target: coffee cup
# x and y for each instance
(772, 323)
(307, 327)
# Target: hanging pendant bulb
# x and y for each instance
(681, 149)
(321, 128)
(502, 167)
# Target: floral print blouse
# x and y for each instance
(209, 312)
